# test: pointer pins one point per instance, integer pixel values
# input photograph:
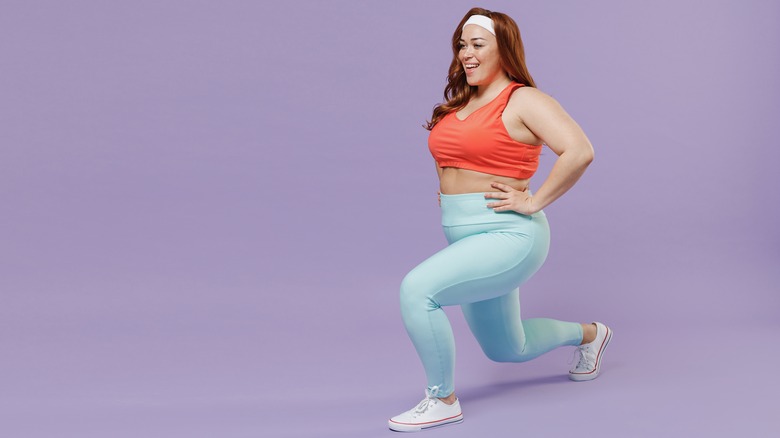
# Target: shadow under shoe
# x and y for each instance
(430, 412)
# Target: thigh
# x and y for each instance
(477, 267)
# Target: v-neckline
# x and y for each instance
(455, 113)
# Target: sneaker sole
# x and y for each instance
(405, 427)
(583, 377)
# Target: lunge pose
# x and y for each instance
(486, 139)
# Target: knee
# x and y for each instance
(414, 293)
(499, 355)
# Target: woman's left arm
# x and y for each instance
(545, 117)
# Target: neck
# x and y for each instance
(494, 87)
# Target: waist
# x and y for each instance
(470, 208)
(455, 180)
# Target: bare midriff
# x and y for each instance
(453, 181)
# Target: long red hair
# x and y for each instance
(458, 92)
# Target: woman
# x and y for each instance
(486, 139)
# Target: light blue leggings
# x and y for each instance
(489, 255)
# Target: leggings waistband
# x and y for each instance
(471, 208)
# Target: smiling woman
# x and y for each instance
(485, 140)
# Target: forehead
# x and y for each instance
(475, 31)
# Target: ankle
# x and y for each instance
(589, 332)
(450, 399)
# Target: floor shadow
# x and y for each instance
(488, 391)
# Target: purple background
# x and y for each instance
(208, 207)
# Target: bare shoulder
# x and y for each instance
(525, 101)
(538, 111)
(547, 119)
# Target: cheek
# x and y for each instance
(494, 63)
(491, 58)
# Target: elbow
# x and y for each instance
(589, 153)
(579, 156)
(585, 157)
(588, 156)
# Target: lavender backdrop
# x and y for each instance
(207, 209)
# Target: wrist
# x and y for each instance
(535, 205)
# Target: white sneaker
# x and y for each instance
(430, 412)
(591, 354)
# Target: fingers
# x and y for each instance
(497, 205)
(502, 187)
(502, 207)
(497, 195)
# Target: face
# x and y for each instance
(479, 55)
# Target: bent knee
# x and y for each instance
(414, 293)
(504, 356)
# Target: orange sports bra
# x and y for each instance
(481, 142)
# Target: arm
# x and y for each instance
(545, 117)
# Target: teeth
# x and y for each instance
(472, 65)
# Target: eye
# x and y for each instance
(461, 46)
(478, 45)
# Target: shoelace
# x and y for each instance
(429, 400)
(587, 358)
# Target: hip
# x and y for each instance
(467, 213)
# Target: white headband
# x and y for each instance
(482, 21)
